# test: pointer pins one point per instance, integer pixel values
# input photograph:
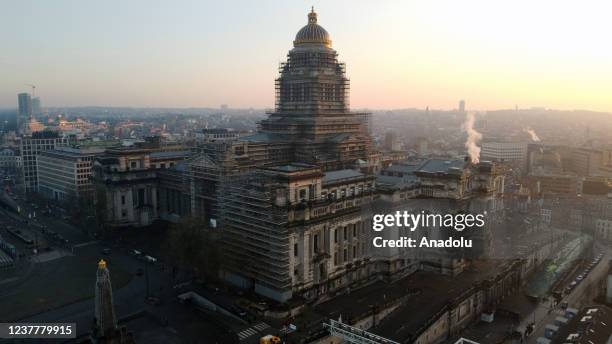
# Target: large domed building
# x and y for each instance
(312, 122)
(306, 180)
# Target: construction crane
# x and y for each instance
(33, 89)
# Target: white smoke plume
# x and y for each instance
(473, 137)
(532, 133)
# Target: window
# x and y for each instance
(336, 236)
(302, 194)
(122, 200)
(345, 233)
(345, 254)
(295, 250)
(133, 164)
(315, 245)
(141, 197)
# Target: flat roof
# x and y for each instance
(72, 152)
(170, 154)
(441, 165)
(261, 137)
(333, 176)
(292, 167)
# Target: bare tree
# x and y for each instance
(191, 245)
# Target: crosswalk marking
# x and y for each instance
(246, 333)
(261, 326)
(252, 330)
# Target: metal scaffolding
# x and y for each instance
(354, 335)
(312, 81)
(256, 235)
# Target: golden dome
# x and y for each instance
(312, 33)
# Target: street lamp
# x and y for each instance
(147, 277)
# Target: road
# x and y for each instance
(128, 299)
(579, 297)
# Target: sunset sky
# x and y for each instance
(399, 54)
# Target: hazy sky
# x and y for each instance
(495, 54)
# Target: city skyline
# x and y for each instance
(211, 160)
(415, 55)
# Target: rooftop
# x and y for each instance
(427, 294)
(293, 167)
(170, 154)
(260, 137)
(333, 176)
(441, 165)
(71, 152)
(404, 167)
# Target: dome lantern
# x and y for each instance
(312, 33)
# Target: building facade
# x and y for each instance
(509, 152)
(29, 147)
(295, 230)
(65, 173)
(127, 181)
(10, 158)
(590, 162)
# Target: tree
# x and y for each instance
(191, 245)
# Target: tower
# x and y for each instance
(312, 104)
(462, 105)
(106, 322)
(36, 106)
(25, 110)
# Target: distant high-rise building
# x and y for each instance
(588, 161)
(391, 141)
(36, 107)
(462, 105)
(25, 110)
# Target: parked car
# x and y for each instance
(150, 259)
